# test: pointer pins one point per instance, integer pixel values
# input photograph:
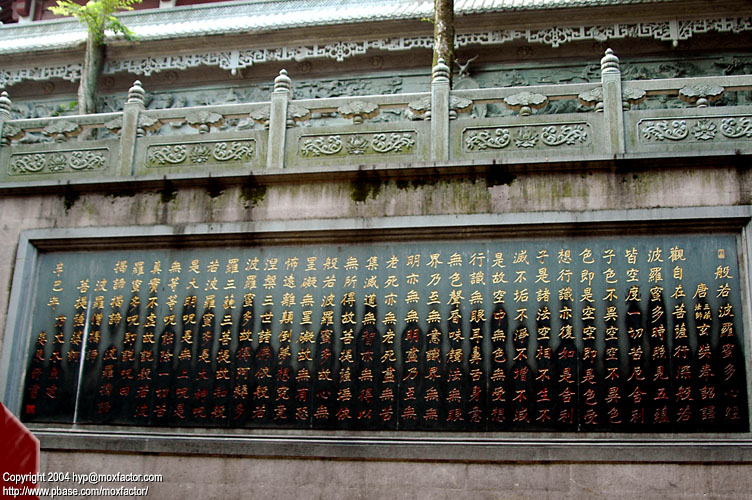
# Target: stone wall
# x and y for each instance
(541, 194)
(469, 193)
(223, 477)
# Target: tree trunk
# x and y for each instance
(443, 33)
(87, 89)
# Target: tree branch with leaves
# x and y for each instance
(98, 17)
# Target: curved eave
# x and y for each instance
(463, 7)
(232, 18)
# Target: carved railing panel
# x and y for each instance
(68, 129)
(197, 153)
(696, 129)
(357, 144)
(520, 123)
(713, 129)
(61, 161)
(330, 145)
(206, 152)
(526, 137)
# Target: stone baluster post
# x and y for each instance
(129, 132)
(440, 112)
(5, 104)
(275, 152)
(613, 106)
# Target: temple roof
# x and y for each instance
(259, 16)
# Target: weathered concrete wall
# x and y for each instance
(211, 477)
(541, 191)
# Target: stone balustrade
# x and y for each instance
(438, 127)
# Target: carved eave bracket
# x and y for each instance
(701, 95)
(145, 124)
(62, 130)
(295, 114)
(204, 120)
(358, 111)
(11, 133)
(631, 96)
(592, 98)
(261, 116)
(525, 102)
(421, 109)
(459, 105)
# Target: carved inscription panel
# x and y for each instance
(606, 333)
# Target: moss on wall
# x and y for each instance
(252, 193)
(365, 185)
(70, 196)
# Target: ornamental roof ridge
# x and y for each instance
(482, 6)
(261, 16)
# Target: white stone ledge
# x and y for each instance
(387, 171)
(395, 446)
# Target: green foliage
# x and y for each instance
(97, 15)
(63, 109)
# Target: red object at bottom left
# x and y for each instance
(19, 457)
